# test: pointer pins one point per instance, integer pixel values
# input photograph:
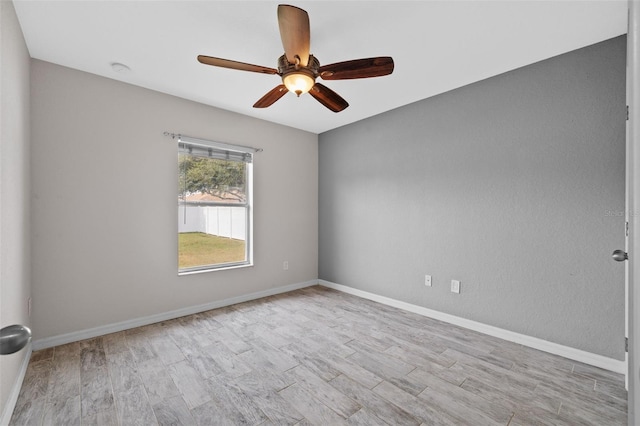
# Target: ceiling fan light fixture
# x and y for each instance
(299, 82)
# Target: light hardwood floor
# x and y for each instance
(312, 356)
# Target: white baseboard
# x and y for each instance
(532, 342)
(600, 361)
(138, 322)
(15, 389)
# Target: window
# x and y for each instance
(214, 206)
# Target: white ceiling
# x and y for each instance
(436, 45)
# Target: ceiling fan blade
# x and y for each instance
(271, 96)
(358, 68)
(328, 97)
(235, 65)
(295, 33)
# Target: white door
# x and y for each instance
(633, 209)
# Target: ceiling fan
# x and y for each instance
(299, 69)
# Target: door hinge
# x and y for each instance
(627, 112)
(626, 229)
(626, 344)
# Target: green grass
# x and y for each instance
(199, 249)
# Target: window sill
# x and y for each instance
(223, 268)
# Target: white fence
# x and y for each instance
(228, 222)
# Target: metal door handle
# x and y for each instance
(13, 338)
(619, 255)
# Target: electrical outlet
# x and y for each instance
(285, 265)
(427, 280)
(455, 286)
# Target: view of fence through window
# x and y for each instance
(212, 211)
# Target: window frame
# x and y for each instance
(234, 151)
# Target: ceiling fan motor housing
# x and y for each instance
(285, 67)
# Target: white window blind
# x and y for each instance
(211, 151)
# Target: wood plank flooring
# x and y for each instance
(312, 356)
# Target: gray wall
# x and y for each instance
(104, 202)
(506, 185)
(15, 280)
